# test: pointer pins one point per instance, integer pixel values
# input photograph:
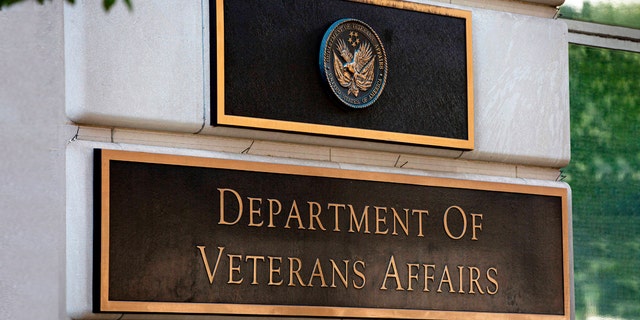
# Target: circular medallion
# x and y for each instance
(353, 63)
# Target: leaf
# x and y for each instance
(107, 4)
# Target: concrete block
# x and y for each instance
(140, 69)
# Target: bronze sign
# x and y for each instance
(183, 234)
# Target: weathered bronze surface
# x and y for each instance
(196, 235)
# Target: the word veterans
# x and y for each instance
(348, 273)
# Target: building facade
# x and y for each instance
(76, 78)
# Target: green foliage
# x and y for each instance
(605, 178)
(106, 4)
(625, 14)
(604, 173)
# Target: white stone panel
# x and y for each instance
(521, 80)
(149, 69)
(141, 68)
(32, 140)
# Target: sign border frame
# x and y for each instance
(223, 119)
(102, 303)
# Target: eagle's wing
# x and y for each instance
(362, 56)
(364, 66)
(344, 51)
(344, 78)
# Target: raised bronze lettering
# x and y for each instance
(359, 274)
(203, 254)
(343, 277)
(294, 209)
(317, 272)
(233, 268)
(381, 221)
(428, 277)
(274, 270)
(475, 226)
(397, 220)
(474, 276)
(255, 266)
(446, 222)
(222, 206)
(460, 274)
(420, 213)
(254, 212)
(273, 212)
(336, 214)
(446, 278)
(364, 220)
(314, 215)
(295, 270)
(411, 275)
(392, 272)
(493, 280)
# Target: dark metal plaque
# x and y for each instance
(417, 89)
(183, 234)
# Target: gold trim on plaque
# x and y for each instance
(383, 136)
(107, 305)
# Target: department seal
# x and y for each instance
(353, 63)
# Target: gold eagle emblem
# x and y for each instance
(354, 71)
